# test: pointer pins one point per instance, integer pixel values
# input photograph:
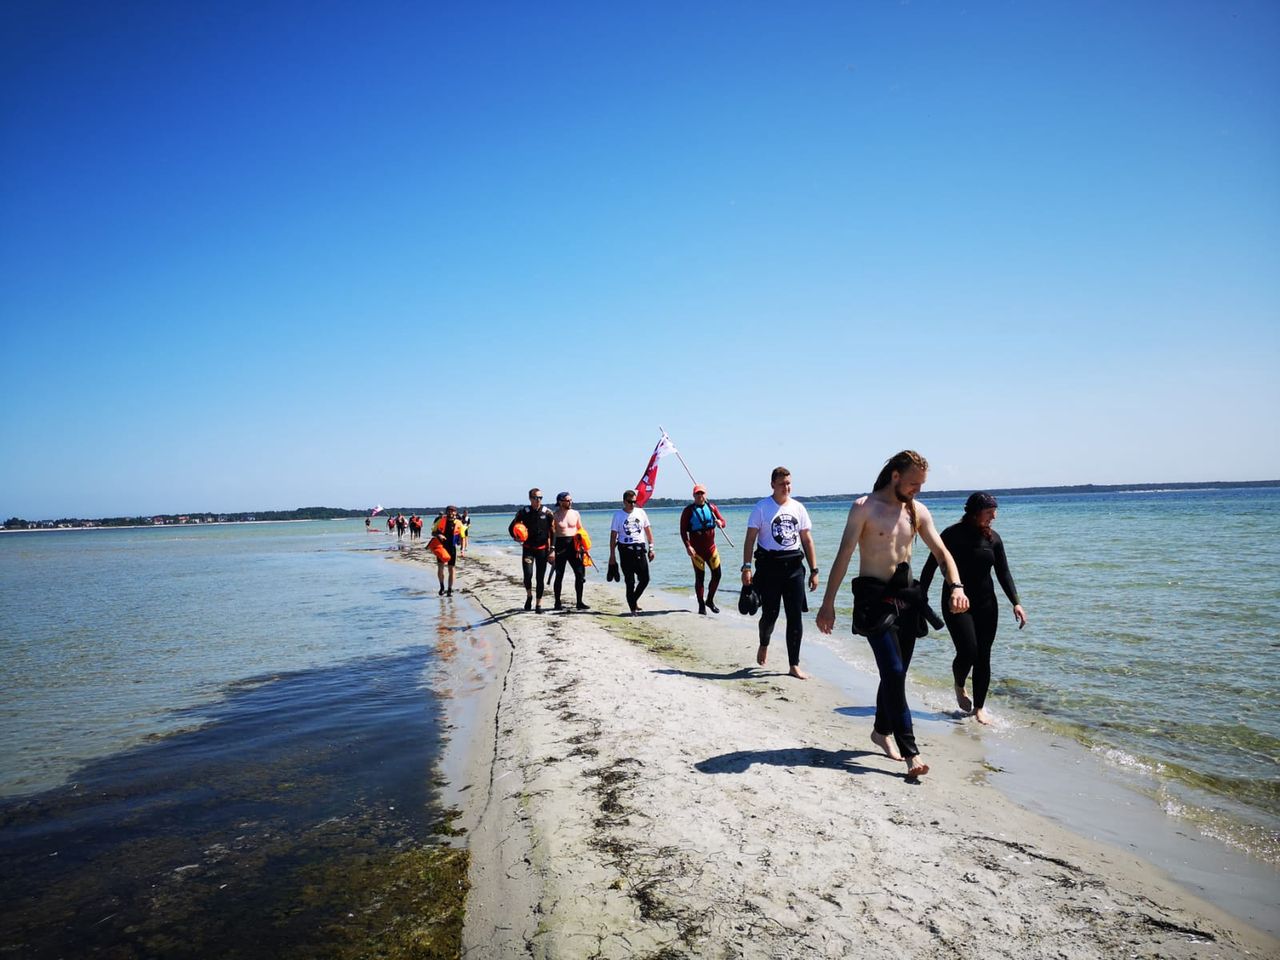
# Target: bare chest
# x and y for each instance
(886, 541)
(567, 525)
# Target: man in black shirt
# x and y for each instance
(537, 547)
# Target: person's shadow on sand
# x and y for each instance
(742, 673)
(915, 714)
(743, 760)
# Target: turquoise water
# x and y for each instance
(1154, 635)
(214, 741)
(108, 636)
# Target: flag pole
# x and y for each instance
(695, 481)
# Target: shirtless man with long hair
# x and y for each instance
(883, 527)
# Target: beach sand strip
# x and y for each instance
(647, 791)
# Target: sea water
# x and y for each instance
(1153, 636)
(212, 736)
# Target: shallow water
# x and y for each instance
(219, 742)
(1153, 635)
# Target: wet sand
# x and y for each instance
(645, 790)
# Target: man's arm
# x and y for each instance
(685, 514)
(929, 534)
(806, 541)
(720, 521)
(839, 566)
(648, 532)
(748, 547)
(511, 527)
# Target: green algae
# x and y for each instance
(411, 906)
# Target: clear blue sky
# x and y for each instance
(258, 256)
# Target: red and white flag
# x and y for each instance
(644, 489)
(376, 510)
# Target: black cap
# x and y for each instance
(980, 501)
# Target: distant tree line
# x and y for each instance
(341, 513)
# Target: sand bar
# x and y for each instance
(646, 791)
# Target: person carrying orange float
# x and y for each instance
(567, 524)
(532, 527)
(445, 547)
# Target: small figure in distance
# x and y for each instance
(977, 550)
(883, 527)
(698, 524)
(631, 537)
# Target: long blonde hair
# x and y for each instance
(902, 461)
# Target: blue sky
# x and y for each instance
(263, 256)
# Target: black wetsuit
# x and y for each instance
(533, 553)
(567, 552)
(973, 632)
(779, 580)
(892, 615)
(633, 558)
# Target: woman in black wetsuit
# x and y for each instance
(977, 550)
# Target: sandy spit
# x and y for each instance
(640, 788)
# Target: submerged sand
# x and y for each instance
(644, 790)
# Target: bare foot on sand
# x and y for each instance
(982, 716)
(962, 701)
(916, 767)
(762, 654)
(885, 744)
(797, 673)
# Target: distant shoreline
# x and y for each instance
(339, 513)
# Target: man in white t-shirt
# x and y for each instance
(780, 531)
(631, 538)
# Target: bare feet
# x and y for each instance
(982, 716)
(962, 701)
(762, 654)
(885, 744)
(916, 767)
(797, 673)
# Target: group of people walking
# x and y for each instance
(779, 562)
(554, 539)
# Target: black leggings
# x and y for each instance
(567, 552)
(635, 570)
(973, 634)
(893, 715)
(534, 561)
(781, 582)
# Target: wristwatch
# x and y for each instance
(746, 566)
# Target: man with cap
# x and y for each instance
(536, 548)
(567, 524)
(783, 531)
(698, 525)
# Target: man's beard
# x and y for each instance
(897, 492)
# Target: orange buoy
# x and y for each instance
(440, 550)
(520, 532)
